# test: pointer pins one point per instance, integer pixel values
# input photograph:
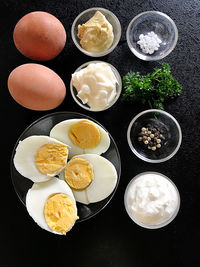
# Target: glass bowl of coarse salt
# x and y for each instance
(151, 35)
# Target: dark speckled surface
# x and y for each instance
(110, 238)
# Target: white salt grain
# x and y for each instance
(149, 43)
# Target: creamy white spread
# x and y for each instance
(96, 85)
(152, 199)
(149, 43)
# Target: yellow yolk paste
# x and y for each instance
(50, 158)
(96, 35)
(84, 134)
(79, 173)
(60, 213)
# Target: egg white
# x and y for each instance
(60, 132)
(103, 184)
(24, 158)
(37, 196)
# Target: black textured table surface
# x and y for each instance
(110, 238)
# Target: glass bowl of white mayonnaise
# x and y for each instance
(151, 200)
(96, 31)
(151, 35)
(96, 85)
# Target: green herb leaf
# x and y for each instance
(153, 89)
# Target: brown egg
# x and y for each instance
(39, 35)
(36, 87)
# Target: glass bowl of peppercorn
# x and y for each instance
(154, 135)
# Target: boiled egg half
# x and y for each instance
(40, 157)
(52, 206)
(91, 177)
(83, 136)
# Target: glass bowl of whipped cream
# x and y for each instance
(151, 35)
(96, 85)
(151, 200)
(96, 32)
(154, 135)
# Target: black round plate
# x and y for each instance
(42, 126)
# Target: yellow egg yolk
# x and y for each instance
(79, 173)
(84, 134)
(60, 213)
(51, 158)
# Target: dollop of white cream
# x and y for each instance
(152, 199)
(96, 85)
(149, 43)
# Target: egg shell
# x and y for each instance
(37, 196)
(39, 35)
(36, 87)
(25, 155)
(60, 130)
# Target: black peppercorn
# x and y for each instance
(151, 137)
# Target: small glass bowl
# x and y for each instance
(84, 17)
(118, 87)
(158, 22)
(168, 127)
(162, 223)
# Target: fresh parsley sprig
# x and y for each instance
(152, 89)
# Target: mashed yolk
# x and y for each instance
(79, 173)
(84, 134)
(60, 213)
(50, 158)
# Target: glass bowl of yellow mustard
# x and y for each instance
(96, 32)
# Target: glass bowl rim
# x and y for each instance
(148, 57)
(161, 224)
(111, 48)
(137, 153)
(117, 75)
